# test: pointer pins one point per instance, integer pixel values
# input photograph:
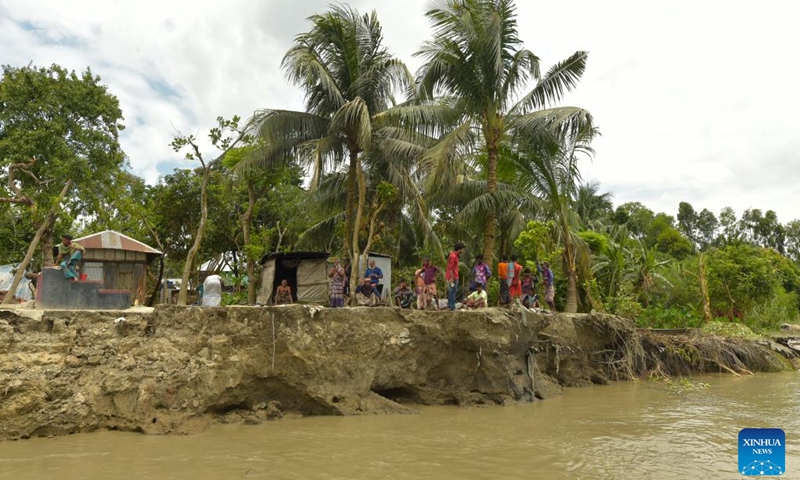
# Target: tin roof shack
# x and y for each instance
(306, 272)
(117, 261)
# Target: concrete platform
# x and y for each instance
(57, 292)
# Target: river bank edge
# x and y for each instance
(176, 370)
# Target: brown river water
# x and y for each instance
(626, 430)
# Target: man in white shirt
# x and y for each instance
(212, 291)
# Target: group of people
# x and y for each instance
(368, 291)
(515, 282)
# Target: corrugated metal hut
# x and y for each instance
(118, 261)
(306, 272)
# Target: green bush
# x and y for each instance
(769, 315)
(625, 306)
(683, 316)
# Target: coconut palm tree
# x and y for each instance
(593, 208)
(549, 171)
(477, 65)
(350, 82)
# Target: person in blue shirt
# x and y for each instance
(375, 275)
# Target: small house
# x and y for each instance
(307, 275)
(306, 272)
(118, 261)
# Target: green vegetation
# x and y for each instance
(474, 147)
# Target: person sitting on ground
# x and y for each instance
(403, 295)
(283, 294)
(71, 253)
(367, 295)
(529, 297)
(478, 298)
(480, 273)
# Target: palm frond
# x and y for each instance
(562, 77)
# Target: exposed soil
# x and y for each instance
(178, 369)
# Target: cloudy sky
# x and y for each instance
(696, 101)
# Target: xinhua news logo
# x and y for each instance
(762, 452)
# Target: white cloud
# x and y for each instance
(695, 100)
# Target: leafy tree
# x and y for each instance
(476, 62)
(731, 231)
(706, 229)
(58, 140)
(635, 217)
(792, 230)
(225, 136)
(739, 276)
(763, 230)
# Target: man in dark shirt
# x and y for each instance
(367, 295)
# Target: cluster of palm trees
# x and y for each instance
(477, 126)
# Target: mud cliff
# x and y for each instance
(176, 369)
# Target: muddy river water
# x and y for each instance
(626, 430)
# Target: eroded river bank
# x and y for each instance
(180, 369)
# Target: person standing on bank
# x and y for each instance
(71, 253)
(212, 291)
(337, 276)
(375, 275)
(481, 273)
(451, 275)
(502, 272)
(548, 281)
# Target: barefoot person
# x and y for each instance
(480, 273)
(478, 298)
(71, 253)
(502, 275)
(549, 288)
(451, 275)
(529, 297)
(428, 275)
(514, 278)
(367, 294)
(403, 295)
(336, 287)
(283, 295)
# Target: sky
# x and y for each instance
(695, 101)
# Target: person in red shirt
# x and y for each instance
(515, 287)
(451, 275)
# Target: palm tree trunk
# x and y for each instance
(572, 276)
(350, 203)
(490, 226)
(357, 268)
